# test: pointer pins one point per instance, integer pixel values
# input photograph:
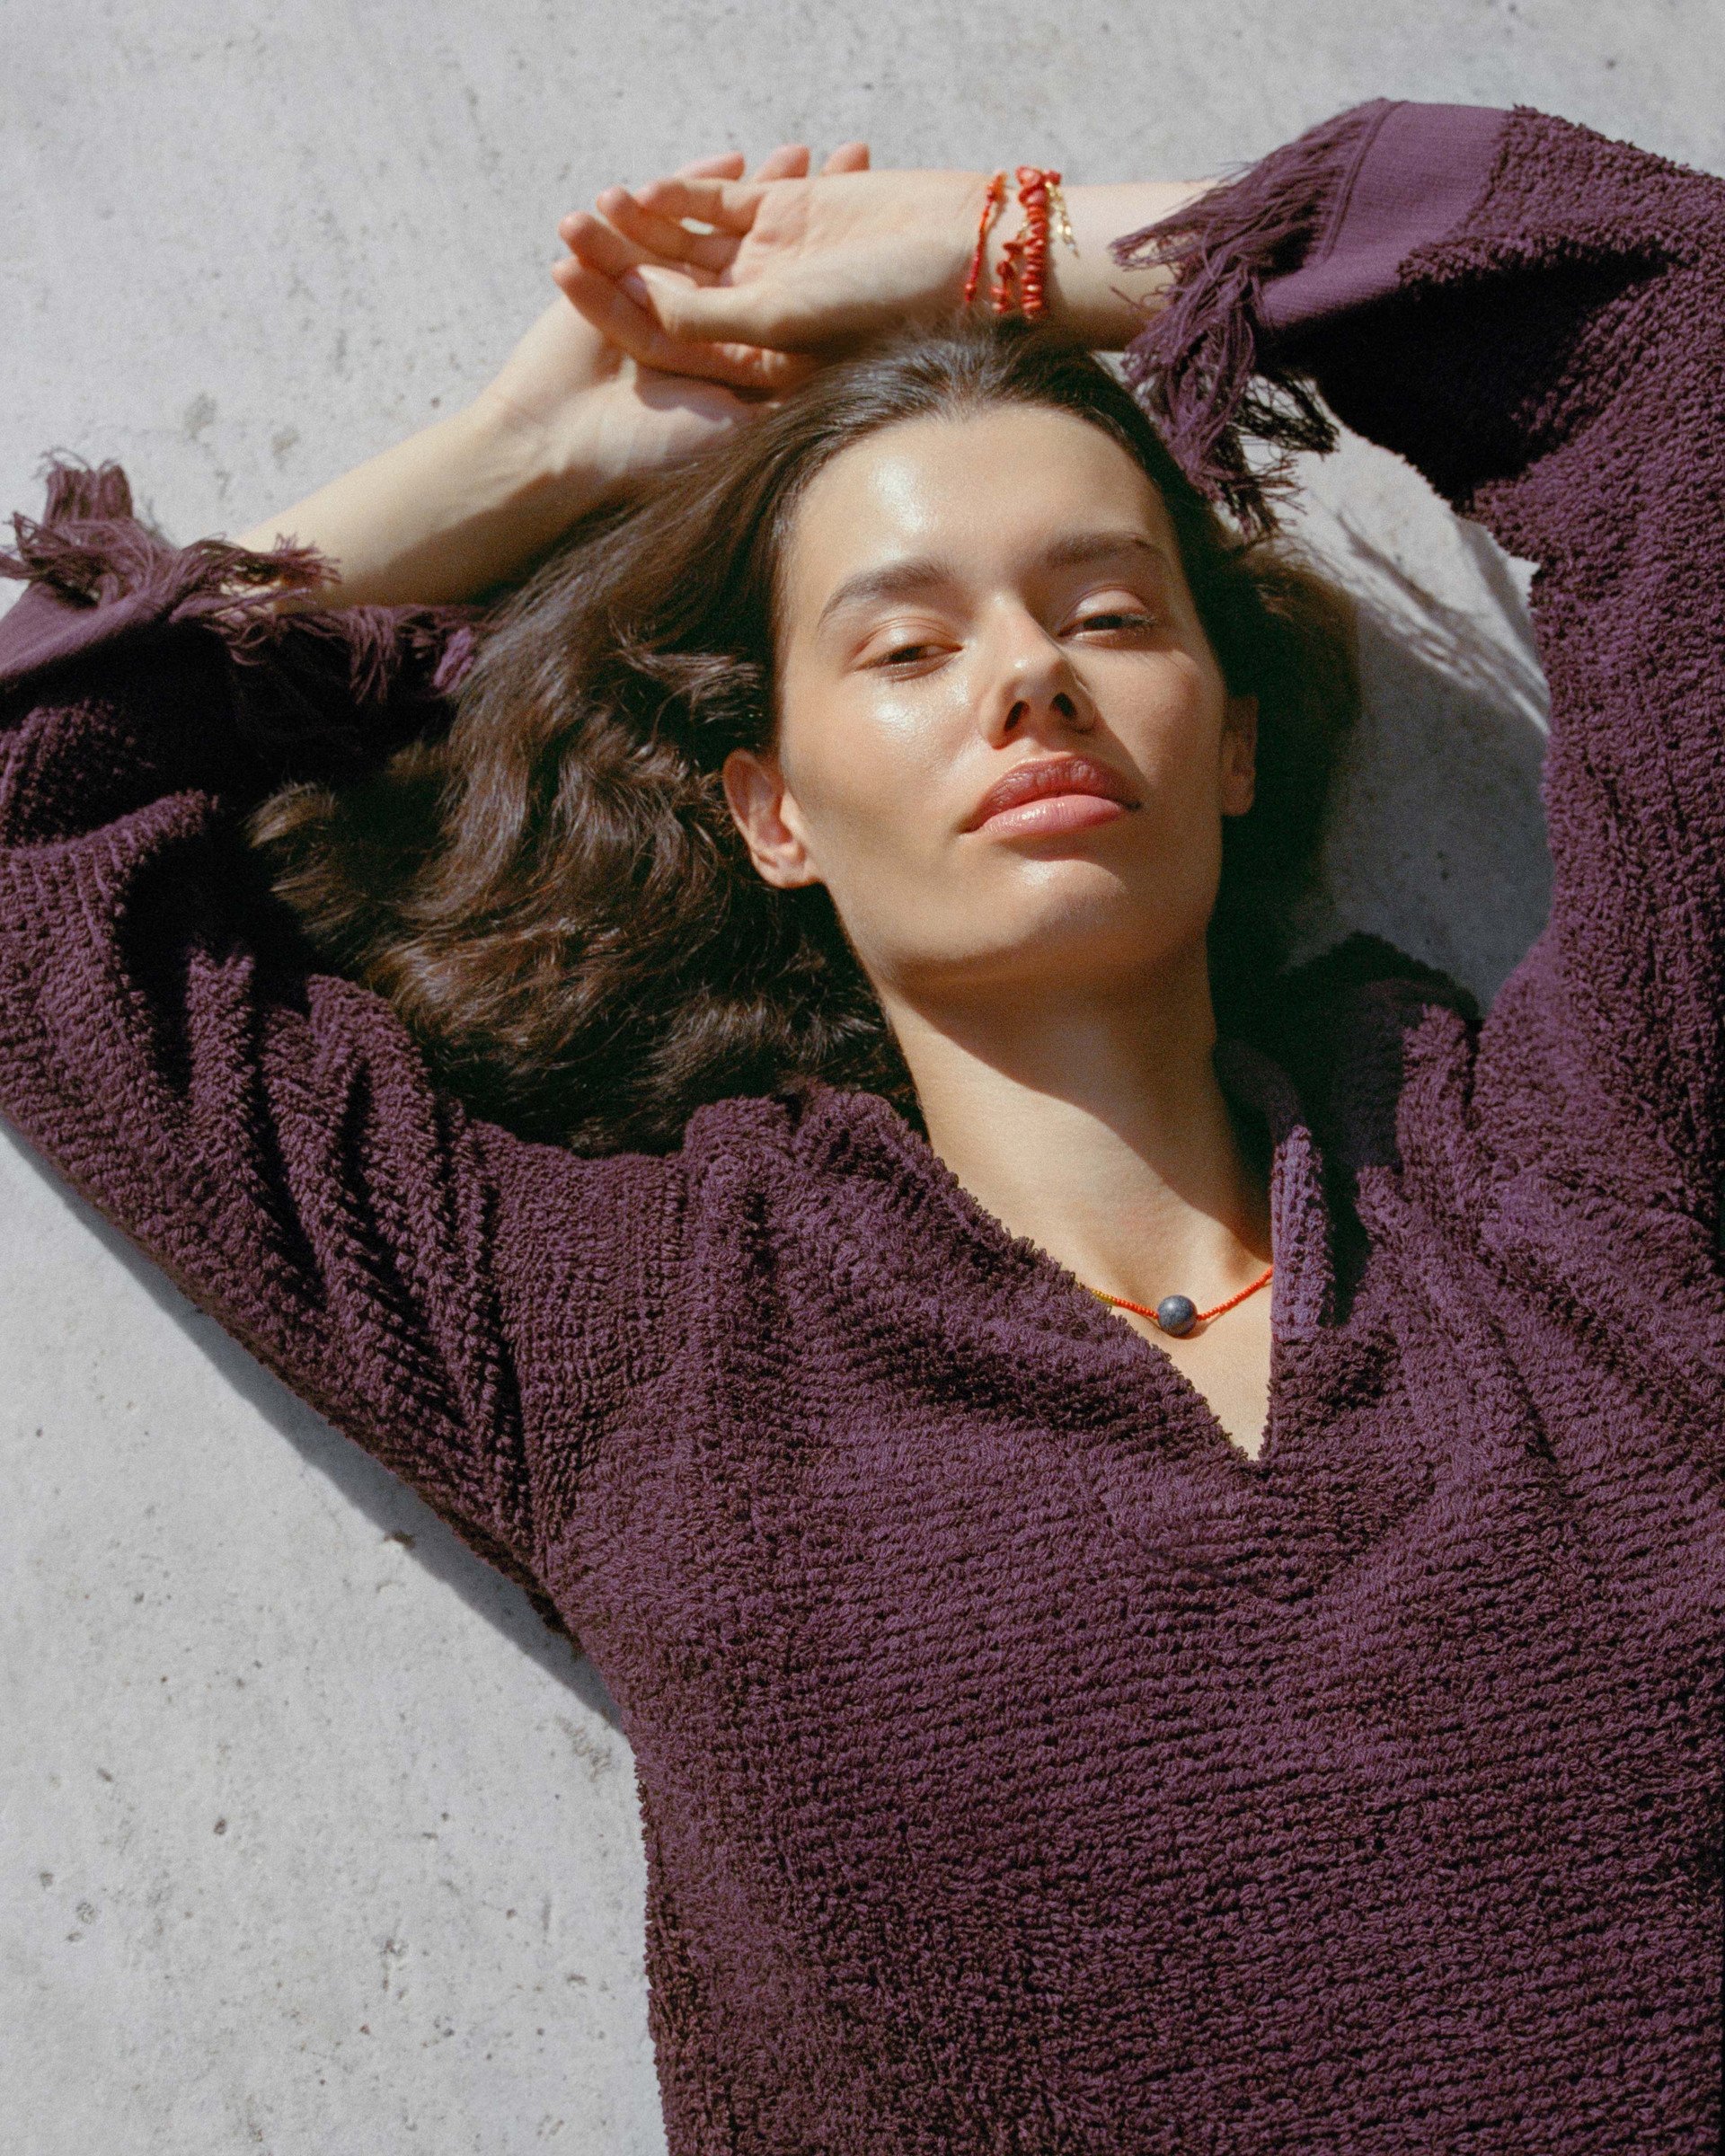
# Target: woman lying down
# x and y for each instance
(698, 955)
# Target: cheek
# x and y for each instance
(870, 766)
(1168, 716)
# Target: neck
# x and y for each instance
(1092, 1121)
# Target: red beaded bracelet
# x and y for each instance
(991, 204)
(1021, 281)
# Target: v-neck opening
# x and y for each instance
(1191, 1393)
(1300, 1249)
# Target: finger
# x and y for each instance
(618, 315)
(635, 331)
(724, 164)
(848, 157)
(611, 310)
(695, 311)
(728, 205)
(790, 160)
(662, 238)
(759, 374)
(599, 245)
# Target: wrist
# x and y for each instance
(941, 211)
(511, 457)
(1108, 304)
(1088, 292)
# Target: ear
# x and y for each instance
(764, 811)
(1239, 754)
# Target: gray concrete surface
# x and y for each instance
(313, 1839)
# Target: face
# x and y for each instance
(972, 609)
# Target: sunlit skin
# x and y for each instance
(961, 595)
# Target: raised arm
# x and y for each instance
(468, 502)
(1534, 317)
(475, 1309)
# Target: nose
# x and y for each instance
(1033, 686)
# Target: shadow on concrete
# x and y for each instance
(1437, 842)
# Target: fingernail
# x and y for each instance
(636, 286)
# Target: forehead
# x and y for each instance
(982, 492)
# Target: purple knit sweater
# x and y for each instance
(1023, 1768)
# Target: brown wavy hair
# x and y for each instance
(552, 892)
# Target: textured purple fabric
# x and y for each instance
(1023, 1768)
(1412, 176)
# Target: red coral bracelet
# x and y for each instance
(1022, 281)
(1023, 276)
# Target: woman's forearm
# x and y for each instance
(815, 267)
(1102, 303)
(463, 505)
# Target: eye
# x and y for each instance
(1115, 618)
(911, 651)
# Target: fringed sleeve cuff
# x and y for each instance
(316, 688)
(1316, 230)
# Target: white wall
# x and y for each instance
(313, 1839)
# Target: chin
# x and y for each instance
(1090, 937)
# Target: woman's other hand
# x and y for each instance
(579, 403)
(579, 400)
(468, 502)
(786, 270)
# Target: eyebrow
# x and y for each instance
(904, 580)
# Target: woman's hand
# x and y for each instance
(588, 400)
(577, 402)
(788, 271)
(791, 269)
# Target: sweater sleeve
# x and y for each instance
(1534, 317)
(267, 1133)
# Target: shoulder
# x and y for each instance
(802, 1166)
(782, 1138)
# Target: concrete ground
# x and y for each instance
(313, 1839)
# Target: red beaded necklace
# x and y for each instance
(1178, 1314)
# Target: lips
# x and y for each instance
(1044, 776)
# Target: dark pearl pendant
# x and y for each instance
(1176, 1314)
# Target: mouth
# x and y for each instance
(1052, 794)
